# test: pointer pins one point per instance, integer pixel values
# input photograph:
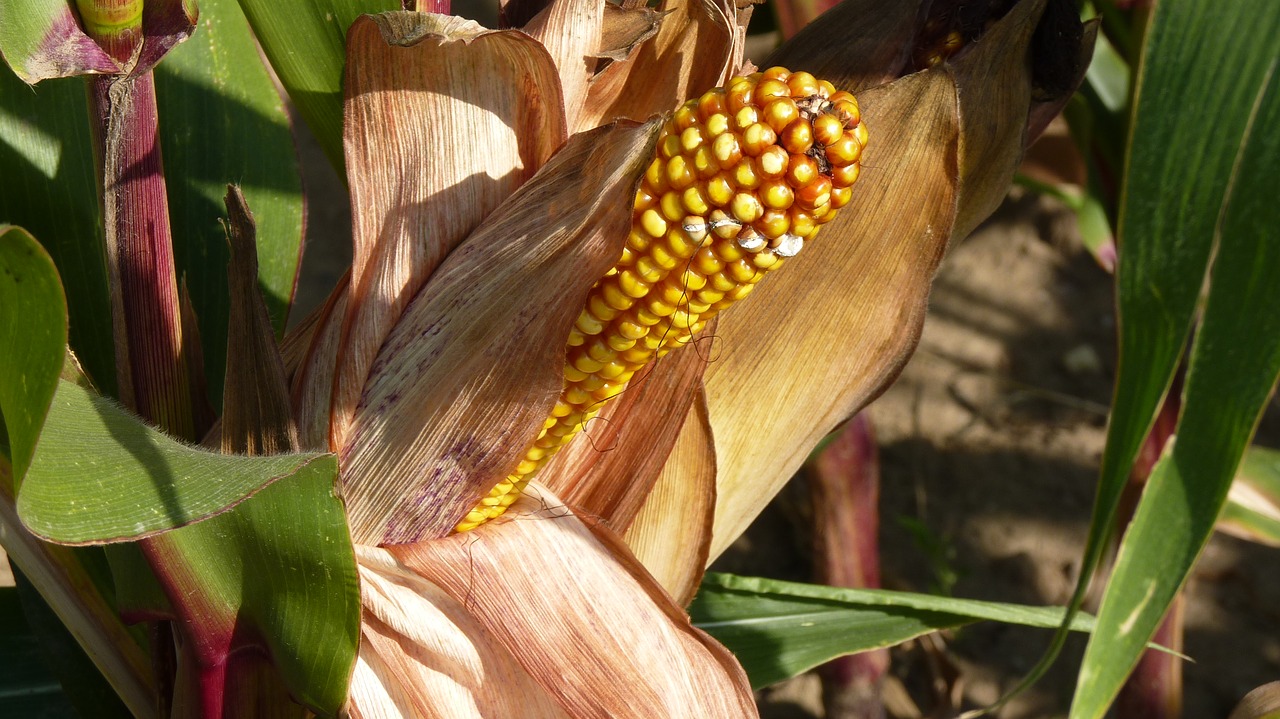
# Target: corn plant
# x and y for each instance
(363, 515)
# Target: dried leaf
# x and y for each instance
(570, 31)
(609, 642)
(624, 28)
(816, 343)
(859, 44)
(698, 47)
(311, 395)
(444, 120)
(467, 377)
(671, 535)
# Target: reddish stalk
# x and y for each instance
(844, 485)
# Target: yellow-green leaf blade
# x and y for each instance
(101, 475)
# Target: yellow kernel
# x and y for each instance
(632, 285)
(776, 73)
(612, 370)
(586, 364)
(728, 250)
(720, 190)
(827, 128)
(704, 161)
(758, 137)
(647, 270)
(710, 297)
(840, 196)
(801, 170)
(638, 241)
(802, 223)
(691, 139)
(588, 325)
(706, 262)
(661, 257)
(774, 224)
(693, 281)
(573, 374)
(844, 151)
(860, 133)
(746, 207)
(686, 116)
(777, 194)
(722, 282)
(773, 162)
(845, 176)
(644, 200)
(694, 201)
(655, 177)
(660, 308)
(725, 226)
(672, 210)
(802, 84)
(744, 175)
(679, 173)
(593, 382)
(632, 330)
(717, 124)
(607, 392)
(653, 223)
(681, 245)
(825, 89)
(770, 90)
(797, 137)
(670, 146)
(615, 297)
(726, 150)
(746, 117)
(738, 95)
(763, 260)
(560, 410)
(814, 194)
(711, 103)
(618, 343)
(781, 113)
(599, 350)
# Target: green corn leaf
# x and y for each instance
(1253, 505)
(305, 41)
(101, 475)
(48, 187)
(778, 629)
(33, 333)
(223, 121)
(1232, 369)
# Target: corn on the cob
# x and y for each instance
(743, 177)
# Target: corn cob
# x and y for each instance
(744, 176)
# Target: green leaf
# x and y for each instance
(278, 571)
(1236, 358)
(41, 39)
(33, 331)
(48, 187)
(305, 40)
(101, 475)
(778, 629)
(222, 121)
(1253, 505)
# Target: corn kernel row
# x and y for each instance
(744, 176)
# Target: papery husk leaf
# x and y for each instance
(570, 31)
(623, 28)
(699, 46)
(466, 379)
(1261, 703)
(423, 656)
(608, 470)
(165, 23)
(993, 83)
(816, 343)
(582, 617)
(857, 45)
(671, 535)
(312, 384)
(444, 120)
(1045, 108)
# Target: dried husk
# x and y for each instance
(568, 606)
(570, 31)
(468, 375)
(698, 46)
(443, 121)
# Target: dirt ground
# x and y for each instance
(990, 442)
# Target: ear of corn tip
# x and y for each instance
(742, 178)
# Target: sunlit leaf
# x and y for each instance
(101, 475)
(1253, 504)
(1237, 346)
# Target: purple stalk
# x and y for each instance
(844, 483)
(150, 367)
